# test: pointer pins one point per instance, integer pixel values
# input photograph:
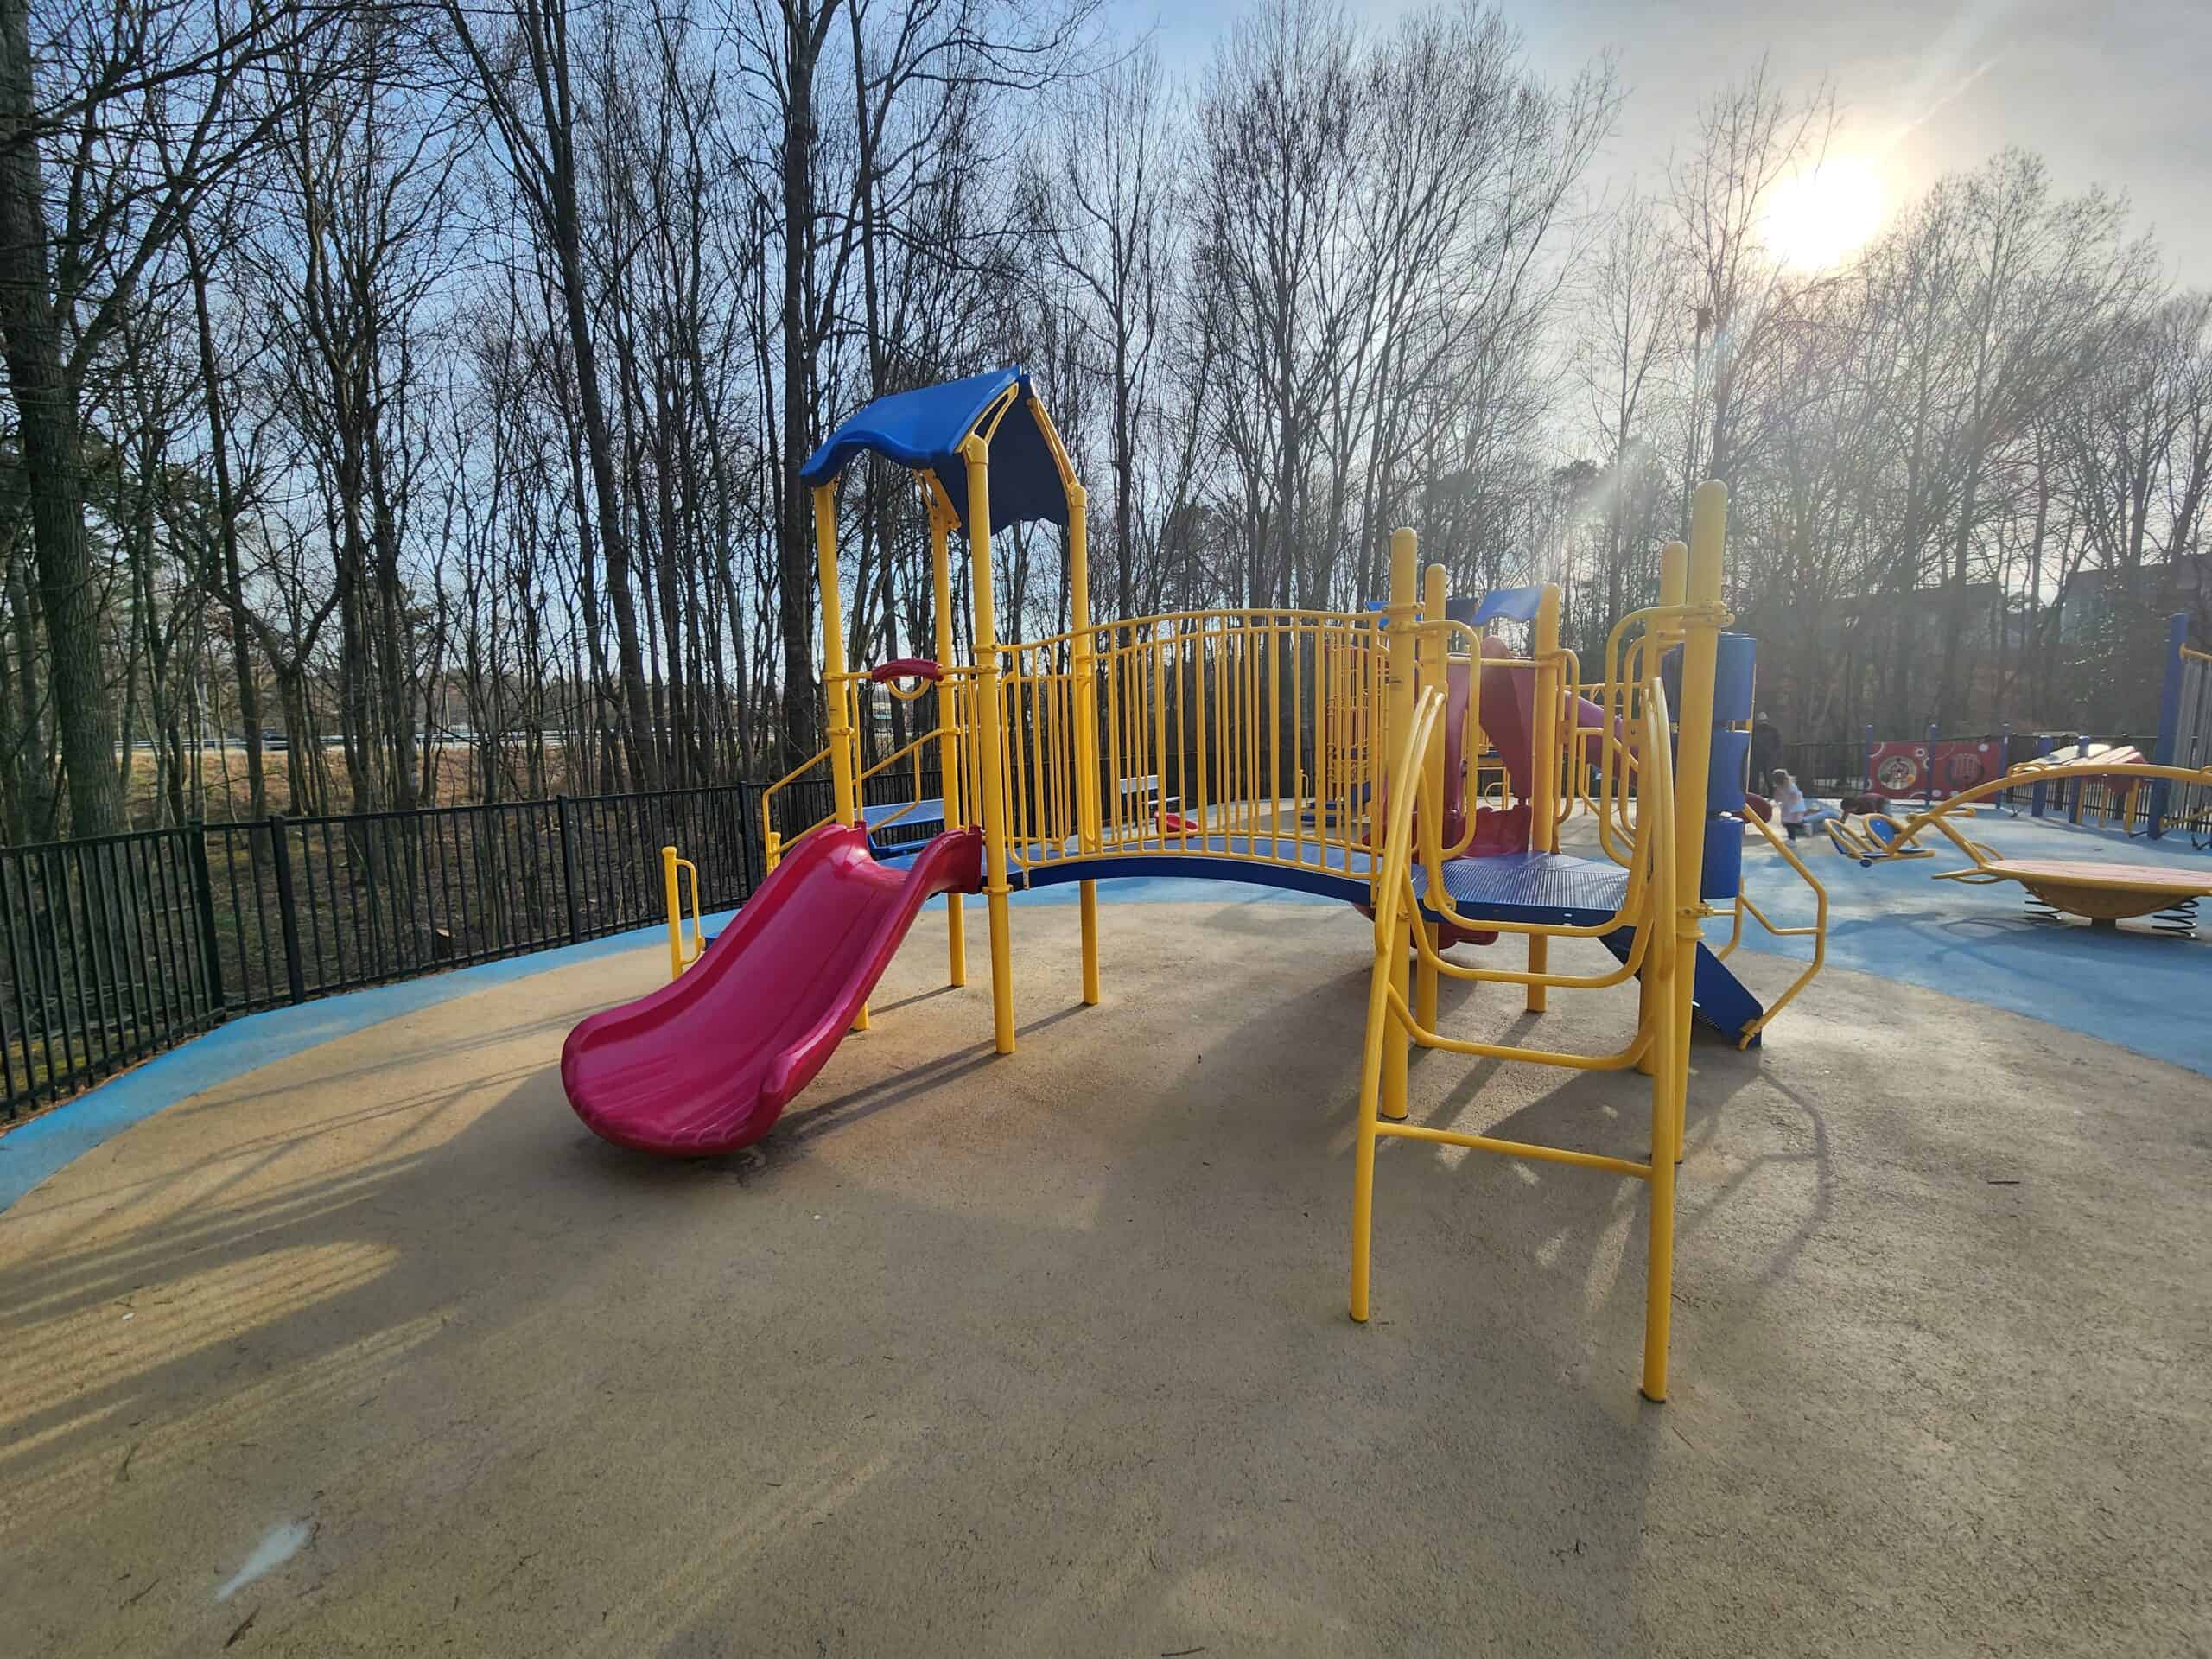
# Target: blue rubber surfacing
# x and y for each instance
(2129, 988)
(2148, 995)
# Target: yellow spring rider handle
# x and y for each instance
(679, 957)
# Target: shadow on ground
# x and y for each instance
(1048, 1353)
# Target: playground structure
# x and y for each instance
(1331, 752)
(2058, 778)
(2103, 893)
(2178, 780)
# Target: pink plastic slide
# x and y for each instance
(707, 1063)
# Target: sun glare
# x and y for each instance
(1821, 216)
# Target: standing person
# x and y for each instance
(1789, 802)
(1766, 750)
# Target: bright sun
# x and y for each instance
(1821, 216)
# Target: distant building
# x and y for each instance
(2097, 599)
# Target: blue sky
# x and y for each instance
(2116, 95)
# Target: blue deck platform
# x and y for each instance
(1542, 889)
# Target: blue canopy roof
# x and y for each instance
(923, 429)
(1514, 604)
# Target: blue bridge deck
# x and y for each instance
(1547, 889)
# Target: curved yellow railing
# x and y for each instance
(1391, 1019)
(1818, 933)
(679, 958)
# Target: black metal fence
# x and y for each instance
(116, 948)
(1839, 769)
(1824, 768)
(104, 958)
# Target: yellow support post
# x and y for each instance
(668, 863)
(1435, 670)
(1674, 580)
(990, 779)
(1086, 722)
(1667, 1047)
(1692, 768)
(1543, 764)
(1399, 643)
(948, 724)
(839, 737)
(836, 692)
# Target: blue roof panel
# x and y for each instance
(1514, 604)
(923, 428)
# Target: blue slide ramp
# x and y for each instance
(1721, 1001)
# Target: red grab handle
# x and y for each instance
(905, 668)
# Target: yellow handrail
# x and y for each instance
(1818, 933)
(770, 841)
(679, 957)
(775, 844)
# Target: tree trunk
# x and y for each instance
(794, 537)
(226, 527)
(52, 451)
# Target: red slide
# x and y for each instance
(707, 1063)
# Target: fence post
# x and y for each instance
(2164, 747)
(561, 811)
(203, 895)
(287, 917)
(749, 883)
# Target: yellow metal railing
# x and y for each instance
(1240, 735)
(1392, 1022)
(948, 739)
(1244, 734)
(1818, 933)
(679, 957)
(1314, 740)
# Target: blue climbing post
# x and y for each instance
(2042, 791)
(2004, 761)
(1928, 778)
(2168, 719)
(1719, 998)
(1735, 673)
(1868, 762)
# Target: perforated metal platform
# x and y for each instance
(1543, 887)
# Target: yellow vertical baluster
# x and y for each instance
(1199, 730)
(1543, 761)
(1404, 607)
(988, 758)
(948, 725)
(1430, 662)
(1273, 647)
